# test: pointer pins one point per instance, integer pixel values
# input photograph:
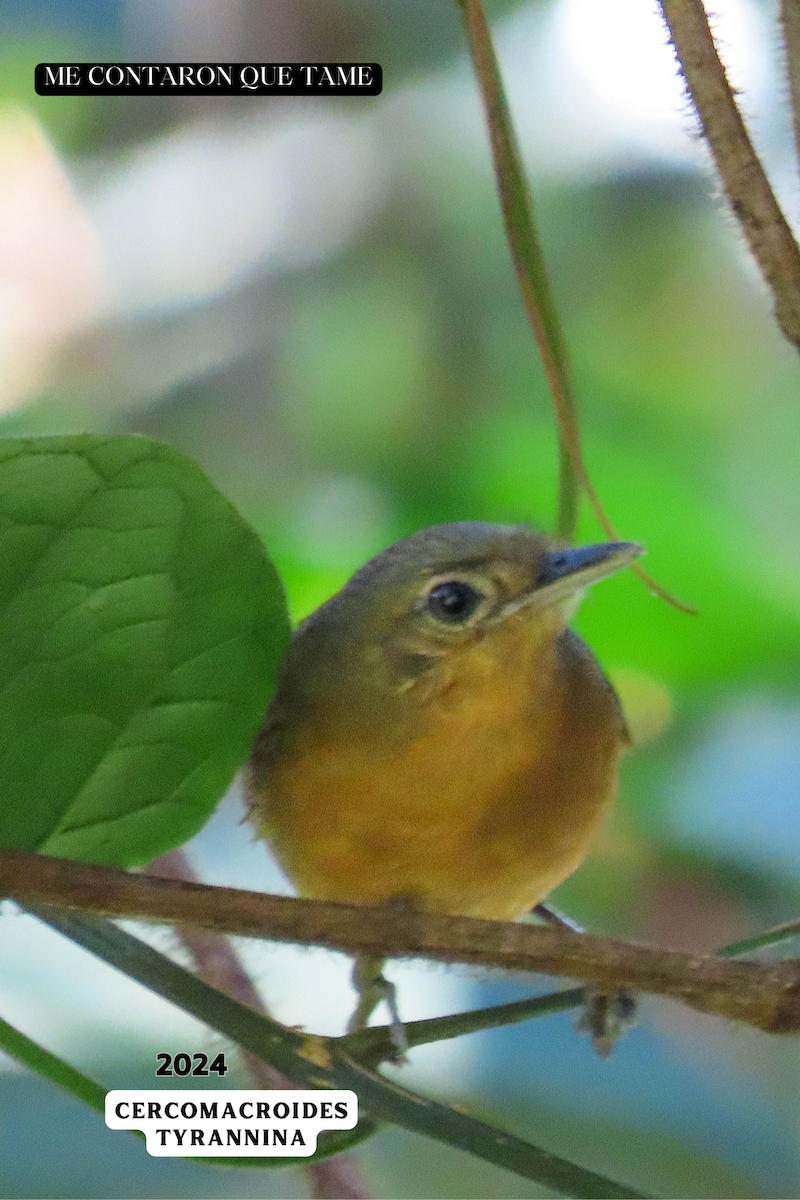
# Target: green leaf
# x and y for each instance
(141, 625)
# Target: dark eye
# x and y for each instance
(453, 601)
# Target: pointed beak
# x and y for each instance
(586, 564)
(563, 573)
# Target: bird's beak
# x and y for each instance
(563, 573)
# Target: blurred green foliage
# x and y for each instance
(71, 121)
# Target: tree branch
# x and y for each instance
(218, 964)
(790, 23)
(767, 231)
(318, 1062)
(765, 996)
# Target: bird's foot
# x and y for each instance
(606, 1017)
(373, 989)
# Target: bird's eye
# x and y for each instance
(453, 601)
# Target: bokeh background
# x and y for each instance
(315, 300)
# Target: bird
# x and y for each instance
(439, 736)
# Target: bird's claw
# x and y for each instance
(373, 988)
(397, 1030)
(606, 1017)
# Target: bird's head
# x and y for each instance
(431, 596)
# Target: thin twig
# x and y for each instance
(376, 1043)
(216, 962)
(766, 996)
(324, 1063)
(743, 177)
(768, 937)
(790, 23)
(523, 239)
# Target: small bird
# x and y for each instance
(439, 736)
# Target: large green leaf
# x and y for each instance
(141, 624)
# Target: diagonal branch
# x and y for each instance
(766, 996)
(217, 963)
(375, 1043)
(767, 231)
(325, 1063)
(769, 937)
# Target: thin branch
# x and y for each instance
(523, 239)
(790, 23)
(524, 242)
(302, 1058)
(377, 1044)
(770, 937)
(216, 962)
(450, 1126)
(766, 996)
(322, 1063)
(569, 496)
(743, 177)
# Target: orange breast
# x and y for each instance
(487, 805)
